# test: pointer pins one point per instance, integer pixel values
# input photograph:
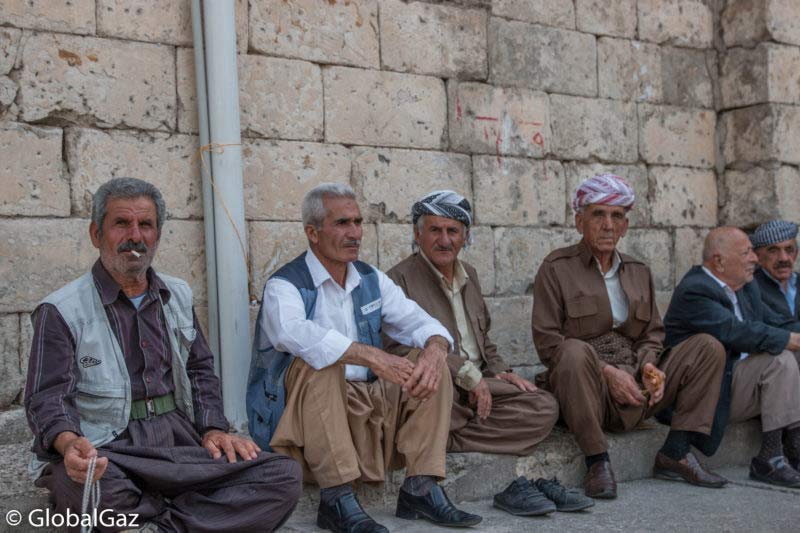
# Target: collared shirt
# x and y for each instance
(731, 294)
(322, 340)
(619, 302)
(143, 338)
(468, 345)
(790, 292)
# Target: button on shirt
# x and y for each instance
(616, 296)
(322, 340)
(732, 297)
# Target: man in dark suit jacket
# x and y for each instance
(762, 377)
(776, 247)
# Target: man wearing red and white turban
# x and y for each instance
(597, 329)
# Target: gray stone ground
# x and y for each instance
(643, 505)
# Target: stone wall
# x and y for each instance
(511, 102)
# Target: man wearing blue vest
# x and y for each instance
(322, 389)
(121, 380)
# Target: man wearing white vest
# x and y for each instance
(322, 389)
(120, 377)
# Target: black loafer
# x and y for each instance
(434, 506)
(777, 473)
(345, 515)
(522, 498)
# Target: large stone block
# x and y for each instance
(68, 16)
(511, 329)
(684, 196)
(32, 180)
(10, 373)
(439, 40)
(585, 128)
(25, 341)
(680, 22)
(391, 180)
(8, 93)
(752, 196)
(762, 133)
(160, 21)
(498, 120)
(654, 247)
(767, 73)
(677, 136)
(14, 427)
(748, 22)
(273, 244)
(629, 70)
(528, 55)
(384, 108)
(278, 98)
(635, 175)
(616, 18)
(518, 192)
(325, 32)
(167, 161)
(9, 45)
(688, 250)
(277, 174)
(107, 82)
(182, 253)
(519, 253)
(687, 76)
(546, 12)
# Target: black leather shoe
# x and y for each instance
(434, 506)
(522, 498)
(345, 515)
(777, 473)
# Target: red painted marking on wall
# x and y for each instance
(538, 139)
(524, 123)
(458, 110)
(497, 150)
(485, 133)
(490, 119)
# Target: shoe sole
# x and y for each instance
(517, 512)
(409, 514)
(667, 475)
(765, 479)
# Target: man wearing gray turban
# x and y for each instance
(775, 245)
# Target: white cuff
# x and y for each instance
(468, 376)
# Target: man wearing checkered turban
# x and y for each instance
(597, 329)
(775, 244)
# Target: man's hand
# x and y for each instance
(656, 389)
(520, 382)
(427, 372)
(392, 368)
(794, 342)
(480, 395)
(77, 452)
(623, 388)
(217, 442)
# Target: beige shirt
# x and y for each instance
(468, 345)
(616, 296)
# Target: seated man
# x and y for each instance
(597, 329)
(719, 298)
(494, 410)
(120, 377)
(323, 391)
(775, 245)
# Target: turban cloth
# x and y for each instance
(773, 232)
(446, 204)
(605, 189)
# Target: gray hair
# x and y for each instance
(126, 188)
(313, 210)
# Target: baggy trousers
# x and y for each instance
(768, 386)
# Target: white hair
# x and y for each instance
(313, 209)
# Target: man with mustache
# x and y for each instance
(323, 390)
(121, 374)
(494, 410)
(719, 298)
(597, 329)
(775, 244)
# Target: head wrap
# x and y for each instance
(604, 189)
(447, 204)
(773, 232)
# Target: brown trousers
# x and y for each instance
(343, 430)
(768, 386)
(694, 373)
(518, 421)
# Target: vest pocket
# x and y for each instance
(100, 406)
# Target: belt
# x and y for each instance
(151, 407)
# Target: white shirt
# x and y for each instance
(321, 341)
(617, 297)
(732, 297)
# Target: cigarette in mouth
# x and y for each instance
(137, 254)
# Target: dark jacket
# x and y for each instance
(773, 298)
(699, 305)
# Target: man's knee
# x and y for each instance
(708, 348)
(787, 362)
(574, 356)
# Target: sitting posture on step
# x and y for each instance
(493, 410)
(322, 389)
(720, 298)
(597, 329)
(121, 382)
